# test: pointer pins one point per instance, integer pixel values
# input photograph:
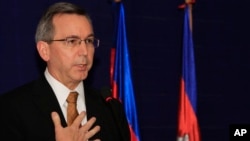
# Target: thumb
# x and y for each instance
(56, 119)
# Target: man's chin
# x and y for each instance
(82, 76)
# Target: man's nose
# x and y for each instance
(83, 48)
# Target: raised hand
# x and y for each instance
(74, 132)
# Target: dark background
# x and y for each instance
(154, 30)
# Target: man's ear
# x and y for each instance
(43, 50)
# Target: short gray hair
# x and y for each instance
(45, 28)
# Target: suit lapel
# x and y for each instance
(46, 100)
(94, 108)
(92, 104)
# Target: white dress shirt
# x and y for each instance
(62, 92)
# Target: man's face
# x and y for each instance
(70, 65)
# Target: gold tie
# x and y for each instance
(71, 109)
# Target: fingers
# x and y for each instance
(56, 119)
(92, 132)
(95, 140)
(74, 132)
(85, 131)
(79, 119)
(89, 124)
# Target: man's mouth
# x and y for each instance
(82, 66)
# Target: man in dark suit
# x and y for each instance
(37, 110)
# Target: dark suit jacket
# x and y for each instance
(25, 114)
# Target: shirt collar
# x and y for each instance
(60, 90)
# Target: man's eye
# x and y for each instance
(72, 41)
(89, 41)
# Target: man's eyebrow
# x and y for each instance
(75, 36)
(91, 35)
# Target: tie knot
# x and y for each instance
(72, 97)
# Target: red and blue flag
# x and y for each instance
(120, 70)
(188, 128)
